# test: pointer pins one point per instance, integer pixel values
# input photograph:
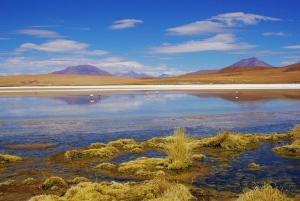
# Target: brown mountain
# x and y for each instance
(293, 67)
(251, 62)
(83, 70)
(200, 72)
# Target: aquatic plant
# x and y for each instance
(253, 166)
(6, 158)
(29, 181)
(54, 181)
(264, 193)
(179, 151)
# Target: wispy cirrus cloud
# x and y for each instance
(219, 24)
(39, 33)
(60, 46)
(4, 38)
(275, 34)
(292, 47)
(220, 42)
(126, 23)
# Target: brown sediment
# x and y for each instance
(31, 146)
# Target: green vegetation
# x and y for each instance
(6, 158)
(264, 193)
(29, 181)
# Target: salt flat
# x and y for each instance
(148, 87)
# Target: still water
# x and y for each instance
(73, 121)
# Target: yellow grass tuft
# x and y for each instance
(179, 151)
(253, 166)
(77, 180)
(54, 182)
(7, 183)
(228, 140)
(6, 158)
(29, 181)
(292, 150)
(106, 166)
(103, 152)
(264, 193)
(198, 157)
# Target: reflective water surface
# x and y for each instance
(72, 121)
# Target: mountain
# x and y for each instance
(83, 70)
(132, 74)
(200, 72)
(251, 62)
(292, 68)
(165, 75)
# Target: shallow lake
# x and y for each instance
(73, 121)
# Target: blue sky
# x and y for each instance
(146, 36)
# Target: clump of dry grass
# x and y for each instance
(7, 183)
(122, 142)
(228, 140)
(198, 157)
(6, 158)
(150, 190)
(292, 150)
(29, 181)
(53, 183)
(264, 193)
(106, 166)
(77, 180)
(179, 151)
(253, 166)
(103, 152)
(97, 145)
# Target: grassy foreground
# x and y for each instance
(156, 179)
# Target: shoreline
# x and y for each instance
(113, 88)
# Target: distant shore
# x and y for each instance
(53, 89)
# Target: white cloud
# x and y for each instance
(220, 42)
(25, 65)
(275, 34)
(39, 33)
(219, 24)
(123, 24)
(287, 63)
(292, 47)
(4, 38)
(60, 45)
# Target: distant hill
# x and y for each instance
(132, 74)
(251, 62)
(292, 68)
(83, 70)
(200, 72)
(165, 75)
